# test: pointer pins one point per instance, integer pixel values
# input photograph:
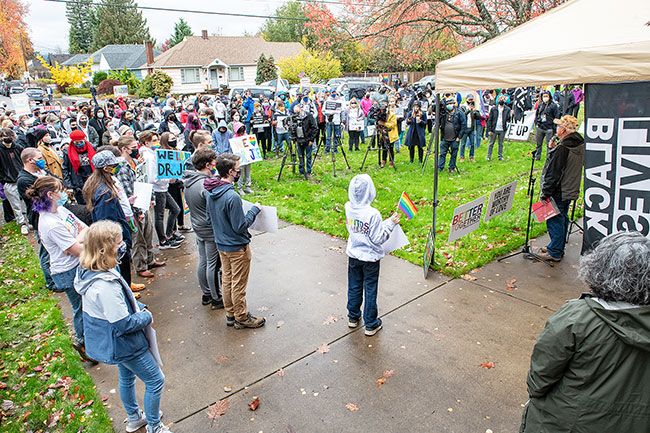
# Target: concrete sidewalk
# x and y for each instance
(437, 333)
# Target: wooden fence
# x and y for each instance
(405, 76)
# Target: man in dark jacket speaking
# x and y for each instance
(304, 131)
(561, 182)
(230, 226)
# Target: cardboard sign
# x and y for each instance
(519, 131)
(122, 91)
(247, 149)
(370, 130)
(500, 200)
(20, 102)
(467, 218)
(171, 163)
(429, 251)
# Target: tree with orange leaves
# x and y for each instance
(15, 45)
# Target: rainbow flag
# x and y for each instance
(407, 206)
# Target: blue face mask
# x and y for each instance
(63, 199)
(40, 163)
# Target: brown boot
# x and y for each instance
(383, 164)
(392, 164)
(250, 322)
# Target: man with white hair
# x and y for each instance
(561, 182)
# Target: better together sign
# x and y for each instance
(467, 218)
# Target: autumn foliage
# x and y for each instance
(68, 76)
(15, 44)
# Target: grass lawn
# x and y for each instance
(319, 205)
(43, 384)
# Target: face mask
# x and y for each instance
(236, 118)
(121, 252)
(237, 176)
(502, 102)
(449, 107)
(172, 144)
(7, 141)
(171, 119)
(115, 169)
(545, 99)
(79, 144)
(157, 146)
(63, 199)
(83, 122)
(213, 171)
(100, 115)
(40, 163)
(134, 153)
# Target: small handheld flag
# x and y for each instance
(407, 206)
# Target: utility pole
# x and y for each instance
(22, 49)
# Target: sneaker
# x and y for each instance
(230, 320)
(160, 428)
(177, 237)
(250, 322)
(185, 228)
(248, 190)
(132, 426)
(205, 299)
(353, 323)
(462, 159)
(373, 331)
(168, 245)
(241, 192)
(216, 304)
(24, 230)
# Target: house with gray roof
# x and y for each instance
(115, 57)
(201, 63)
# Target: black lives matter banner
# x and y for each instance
(617, 160)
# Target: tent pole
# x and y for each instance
(436, 139)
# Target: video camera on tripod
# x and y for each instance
(294, 126)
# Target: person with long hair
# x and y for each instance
(116, 326)
(60, 232)
(102, 200)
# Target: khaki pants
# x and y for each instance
(235, 267)
(143, 243)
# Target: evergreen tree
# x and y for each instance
(181, 29)
(261, 64)
(81, 17)
(119, 22)
(266, 69)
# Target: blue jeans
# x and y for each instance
(363, 278)
(44, 259)
(283, 137)
(304, 157)
(479, 135)
(332, 129)
(64, 282)
(557, 228)
(145, 368)
(450, 147)
(468, 140)
(248, 127)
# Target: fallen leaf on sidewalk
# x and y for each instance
(511, 284)
(487, 365)
(280, 372)
(330, 320)
(323, 348)
(382, 380)
(468, 277)
(352, 407)
(222, 359)
(218, 410)
(254, 404)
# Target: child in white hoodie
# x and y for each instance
(367, 234)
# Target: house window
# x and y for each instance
(236, 73)
(190, 76)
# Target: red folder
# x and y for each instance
(544, 210)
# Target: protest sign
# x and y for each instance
(171, 163)
(142, 192)
(617, 160)
(519, 131)
(371, 130)
(122, 91)
(141, 173)
(500, 200)
(429, 251)
(305, 81)
(246, 147)
(467, 218)
(20, 102)
(396, 240)
(266, 220)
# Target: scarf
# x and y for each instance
(73, 154)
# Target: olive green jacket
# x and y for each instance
(590, 370)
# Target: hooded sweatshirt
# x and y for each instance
(221, 138)
(229, 223)
(562, 171)
(114, 322)
(195, 195)
(365, 226)
(590, 370)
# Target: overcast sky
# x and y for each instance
(49, 26)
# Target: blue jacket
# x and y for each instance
(107, 208)
(229, 224)
(416, 132)
(249, 105)
(114, 322)
(458, 120)
(222, 139)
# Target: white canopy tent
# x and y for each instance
(582, 41)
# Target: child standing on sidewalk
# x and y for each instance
(367, 234)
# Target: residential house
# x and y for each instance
(116, 57)
(201, 63)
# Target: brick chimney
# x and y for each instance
(204, 34)
(149, 50)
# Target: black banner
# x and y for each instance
(617, 160)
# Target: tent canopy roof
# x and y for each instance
(582, 41)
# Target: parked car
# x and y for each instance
(273, 83)
(7, 85)
(427, 82)
(13, 90)
(316, 88)
(256, 91)
(37, 95)
(357, 88)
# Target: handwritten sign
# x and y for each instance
(20, 102)
(467, 218)
(171, 163)
(246, 147)
(122, 91)
(500, 200)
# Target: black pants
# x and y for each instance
(176, 191)
(263, 141)
(165, 201)
(125, 264)
(8, 212)
(389, 149)
(412, 153)
(353, 140)
(321, 134)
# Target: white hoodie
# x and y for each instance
(365, 226)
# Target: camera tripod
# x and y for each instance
(573, 222)
(289, 150)
(376, 146)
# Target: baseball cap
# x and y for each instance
(568, 122)
(105, 158)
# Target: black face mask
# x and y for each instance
(134, 153)
(171, 119)
(502, 103)
(7, 140)
(236, 179)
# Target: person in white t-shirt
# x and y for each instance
(60, 232)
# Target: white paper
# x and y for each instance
(21, 105)
(396, 240)
(150, 333)
(266, 220)
(142, 192)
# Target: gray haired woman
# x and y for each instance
(590, 368)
